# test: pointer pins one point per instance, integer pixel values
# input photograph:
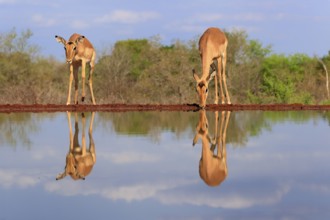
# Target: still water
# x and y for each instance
(165, 165)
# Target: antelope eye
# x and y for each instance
(206, 90)
(64, 48)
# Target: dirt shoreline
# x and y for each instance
(8, 108)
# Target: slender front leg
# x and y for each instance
(75, 74)
(224, 117)
(90, 81)
(83, 74)
(91, 140)
(90, 78)
(83, 138)
(70, 83)
(216, 122)
(214, 67)
(224, 60)
(219, 74)
(70, 130)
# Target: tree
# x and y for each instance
(244, 63)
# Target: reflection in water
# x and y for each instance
(269, 177)
(212, 167)
(79, 160)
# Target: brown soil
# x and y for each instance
(154, 107)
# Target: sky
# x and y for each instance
(289, 26)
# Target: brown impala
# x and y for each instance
(78, 52)
(213, 51)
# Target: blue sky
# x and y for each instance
(290, 26)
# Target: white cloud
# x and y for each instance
(44, 154)
(11, 178)
(42, 21)
(209, 17)
(172, 193)
(192, 28)
(5, 2)
(185, 26)
(232, 200)
(69, 187)
(212, 17)
(320, 188)
(131, 157)
(78, 24)
(200, 21)
(136, 192)
(249, 17)
(127, 17)
(129, 193)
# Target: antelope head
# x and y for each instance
(71, 169)
(202, 87)
(202, 128)
(70, 47)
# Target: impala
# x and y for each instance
(79, 159)
(212, 166)
(79, 51)
(213, 51)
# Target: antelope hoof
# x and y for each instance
(83, 98)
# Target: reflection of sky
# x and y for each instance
(281, 174)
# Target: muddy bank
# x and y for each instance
(154, 107)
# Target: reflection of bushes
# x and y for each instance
(149, 123)
(242, 125)
(17, 128)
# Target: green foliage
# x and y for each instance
(12, 43)
(139, 52)
(145, 71)
(276, 79)
(281, 77)
(24, 77)
(244, 63)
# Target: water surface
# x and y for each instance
(271, 165)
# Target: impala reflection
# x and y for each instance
(79, 159)
(213, 163)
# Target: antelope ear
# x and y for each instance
(196, 77)
(209, 139)
(213, 67)
(60, 39)
(81, 177)
(210, 76)
(195, 139)
(60, 176)
(80, 39)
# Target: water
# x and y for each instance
(271, 165)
